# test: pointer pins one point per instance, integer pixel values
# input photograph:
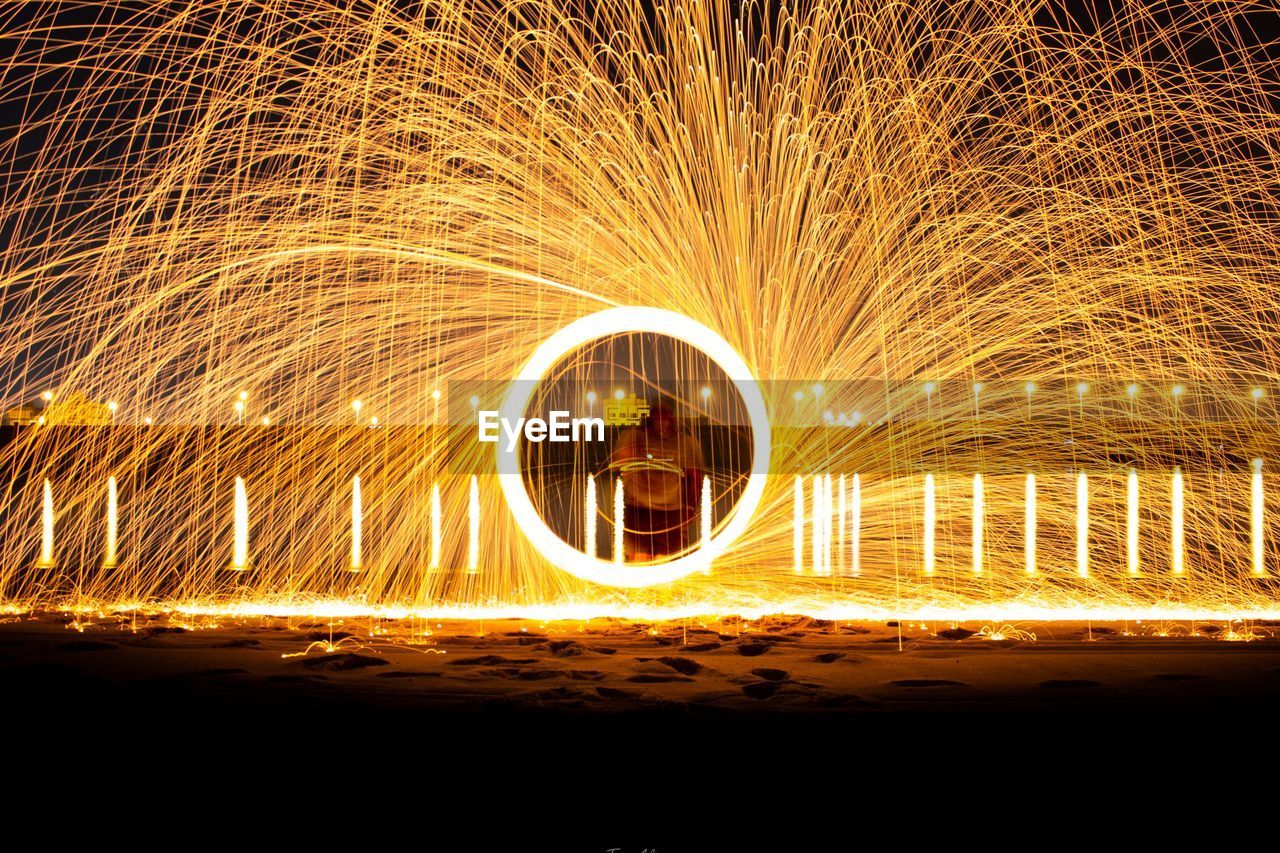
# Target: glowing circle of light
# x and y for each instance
(633, 320)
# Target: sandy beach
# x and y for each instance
(723, 669)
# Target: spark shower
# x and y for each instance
(1006, 273)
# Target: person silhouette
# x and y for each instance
(661, 466)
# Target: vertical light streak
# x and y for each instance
(1256, 519)
(435, 526)
(815, 487)
(979, 510)
(706, 511)
(240, 545)
(855, 526)
(1029, 525)
(842, 511)
(930, 519)
(827, 504)
(1176, 532)
(619, 523)
(589, 518)
(473, 527)
(1082, 524)
(1131, 523)
(797, 540)
(46, 525)
(357, 524)
(112, 524)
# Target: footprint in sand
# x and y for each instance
(242, 643)
(761, 689)
(489, 660)
(770, 674)
(586, 675)
(617, 693)
(345, 662)
(684, 666)
(751, 650)
(539, 674)
(927, 682)
(159, 630)
(827, 657)
(846, 700)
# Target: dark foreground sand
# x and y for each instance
(759, 725)
(790, 666)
